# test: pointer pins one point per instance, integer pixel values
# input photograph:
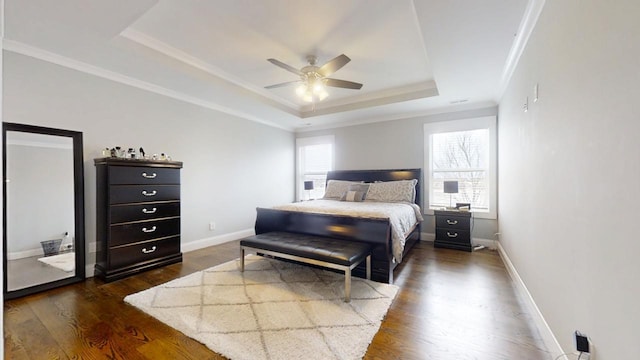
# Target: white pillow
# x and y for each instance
(336, 188)
(393, 191)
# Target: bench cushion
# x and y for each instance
(335, 251)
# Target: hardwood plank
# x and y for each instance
(451, 305)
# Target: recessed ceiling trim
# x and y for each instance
(371, 103)
(383, 97)
(528, 23)
(403, 116)
(40, 54)
(177, 54)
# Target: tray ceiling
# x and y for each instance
(413, 57)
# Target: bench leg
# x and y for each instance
(241, 259)
(369, 267)
(347, 285)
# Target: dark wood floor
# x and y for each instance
(452, 305)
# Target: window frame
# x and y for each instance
(309, 141)
(485, 122)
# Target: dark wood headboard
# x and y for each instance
(380, 175)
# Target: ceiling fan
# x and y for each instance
(314, 79)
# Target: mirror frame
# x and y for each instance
(78, 176)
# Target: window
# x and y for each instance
(462, 151)
(314, 160)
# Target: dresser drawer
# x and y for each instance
(144, 230)
(122, 194)
(123, 175)
(453, 235)
(452, 222)
(142, 252)
(136, 212)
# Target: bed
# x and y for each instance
(380, 229)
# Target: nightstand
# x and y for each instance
(453, 230)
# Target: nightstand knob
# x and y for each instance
(452, 222)
(452, 235)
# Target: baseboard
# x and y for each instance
(428, 237)
(488, 243)
(216, 240)
(548, 337)
(25, 254)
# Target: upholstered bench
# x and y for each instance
(317, 250)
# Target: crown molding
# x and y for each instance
(44, 55)
(404, 116)
(177, 54)
(528, 23)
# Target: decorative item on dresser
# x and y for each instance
(453, 230)
(138, 215)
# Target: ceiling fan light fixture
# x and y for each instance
(314, 79)
(301, 90)
(312, 89)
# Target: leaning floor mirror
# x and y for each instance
(43, 196)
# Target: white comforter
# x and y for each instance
(403, 217)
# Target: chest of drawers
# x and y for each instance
(453, 230)
(138, 216)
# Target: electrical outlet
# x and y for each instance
(212, 226)
(582, 342)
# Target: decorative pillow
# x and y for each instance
(393, 191)
(355, 192)
(336, 188)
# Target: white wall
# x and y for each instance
(231, 165)
(397, 144)
(569, 170)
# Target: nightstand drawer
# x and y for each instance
(145, 230)
(453, 235)
(452, 222)
(122, 194)
(129, 213)
(142, 252)
(123, 175)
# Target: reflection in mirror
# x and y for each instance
(44, 212)
(40, 212)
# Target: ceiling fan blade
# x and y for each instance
(343, 84)
(282, 84)
(285, 66)
(333, 65)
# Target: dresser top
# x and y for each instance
(137, 162)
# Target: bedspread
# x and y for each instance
(403, 217)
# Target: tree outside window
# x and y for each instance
(462, 151)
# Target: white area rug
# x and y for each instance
(274, 310)
(65, 262)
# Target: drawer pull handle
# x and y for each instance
(452, 222)
(146, 176)
(144, 250)
(452, 235)
(145, 193)
(152, 211)
(149, 230)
